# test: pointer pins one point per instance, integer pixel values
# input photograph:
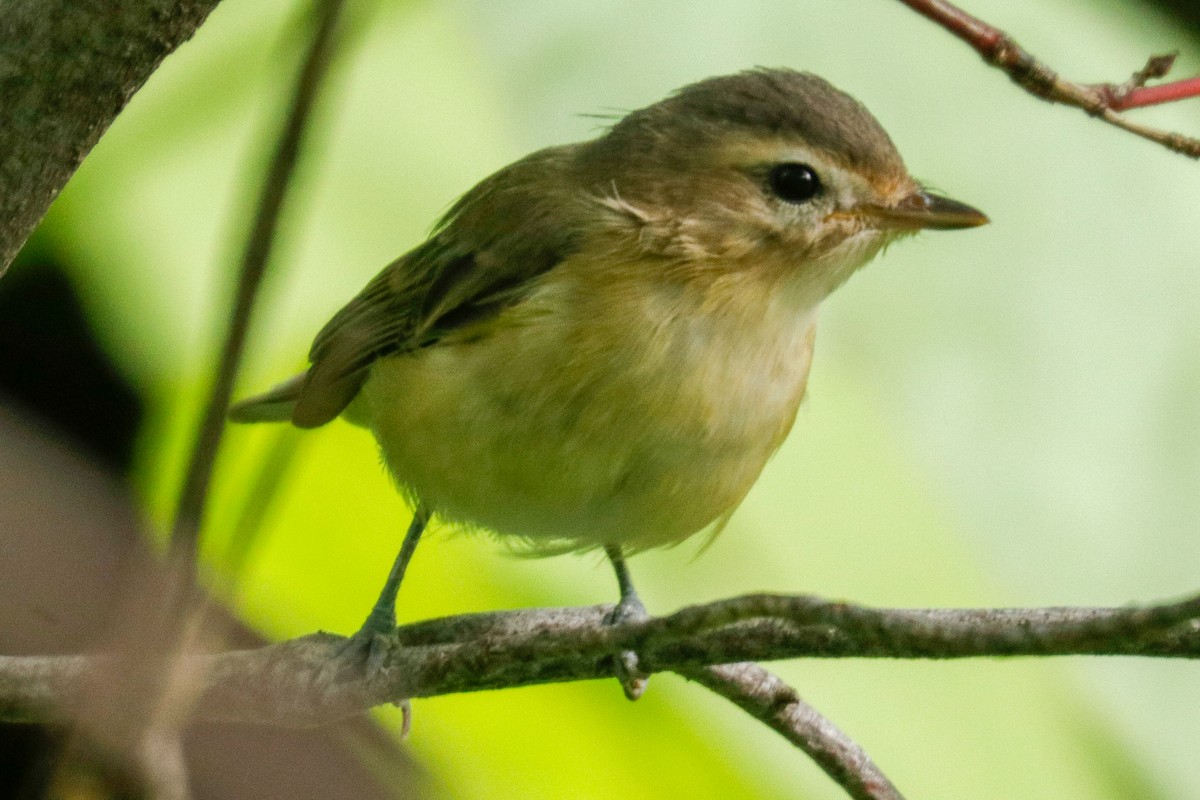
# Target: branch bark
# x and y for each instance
(301, 682)
(66, 71)
(771, 701)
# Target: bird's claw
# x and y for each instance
(629, 673)
(355, 658)
(361, 657)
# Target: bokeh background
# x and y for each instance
(1006, 416)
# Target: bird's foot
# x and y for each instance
(633, 681)
(362, 656)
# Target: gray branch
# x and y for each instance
(300, 682)
(66, 70)
(771, 701)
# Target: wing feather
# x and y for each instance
(485, 255)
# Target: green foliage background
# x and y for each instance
(1005, 416)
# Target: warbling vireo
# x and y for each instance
(601, 344)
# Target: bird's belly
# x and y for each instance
(510, 433)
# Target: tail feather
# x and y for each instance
(275, 405)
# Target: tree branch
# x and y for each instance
(771, 701)
(1103, 100)
(297, 682)
(63, 84)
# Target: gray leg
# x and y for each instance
(382, 619)
(629, 609)
(360, 652)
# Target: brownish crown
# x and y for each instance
(763, 103)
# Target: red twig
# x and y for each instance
(1141, 96)
(972, 30)
(1103, 100)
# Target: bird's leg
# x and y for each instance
(629, 609)
(361, 653)
(382, 619)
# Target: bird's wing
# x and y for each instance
(485, 256)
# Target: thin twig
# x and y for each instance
(194, 494)
(1103, 100)
(768, 699)
(1142, 96)
(180, 675)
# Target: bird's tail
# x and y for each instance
(275, 405)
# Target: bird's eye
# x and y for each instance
(794, 183)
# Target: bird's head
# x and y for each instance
(769, 169)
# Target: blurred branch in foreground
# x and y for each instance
(260, 241)
(77, 574)
(1103, 100)
(66, 71)
(129, 721)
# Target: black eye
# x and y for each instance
(794, 183)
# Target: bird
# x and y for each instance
(600, 346)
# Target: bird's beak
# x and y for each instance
(923, 211)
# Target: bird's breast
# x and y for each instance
(636, 410)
